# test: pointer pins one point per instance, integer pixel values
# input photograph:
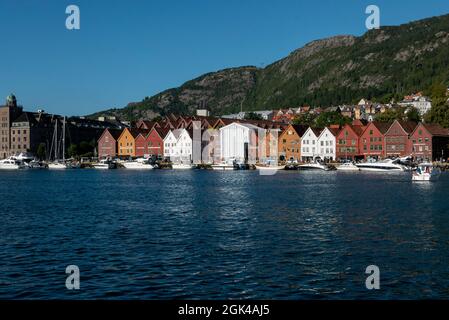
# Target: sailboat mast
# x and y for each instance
(63, 141)
(56, 139)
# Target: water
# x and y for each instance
(222, 235)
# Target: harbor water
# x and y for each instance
(222, 235)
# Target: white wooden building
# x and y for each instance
(309, 144)
(327, 144)
(239, 141)
(178, 146)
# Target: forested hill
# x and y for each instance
(380, 65)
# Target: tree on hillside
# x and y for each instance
(253, 116)
(326, 119)
(399, 113)
(439, 113)
(305, 119)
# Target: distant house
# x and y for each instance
(290, 143)
(372, 140)
(422, 103)
(397, 142)
(430, 142)
(309, 144)
(107, 144)
(327, 145)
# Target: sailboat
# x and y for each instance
(57, 164)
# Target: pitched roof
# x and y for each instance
(436, 130)
(162, 132)
(135, 132)
(300, 129)
(382, 126)
(115, 133)
(408, 126)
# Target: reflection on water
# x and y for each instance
(220, 235)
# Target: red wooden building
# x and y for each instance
(107, 144)
(348, 141)
(155, 141)
(397, 142)
(371, 144)
(429, 142)
(141, 143)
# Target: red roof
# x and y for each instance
(436, 130)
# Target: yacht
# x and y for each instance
(313, 166)
(426, 172)
(387, 165)
(139, 164)
(11, 164)
(348, 166)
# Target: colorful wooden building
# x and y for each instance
(397, 142)
(107, 144)
(429, 142)
(371, 143)
(290, 143)
(348, 142)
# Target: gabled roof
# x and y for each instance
(381, 126)
(300, 130)
(115, 133)
(162, 132)
(436, 130)
(408, 126)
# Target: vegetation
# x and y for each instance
(84, 149)
(440, 105)
(41, 152)
(399, 113)
(322, 120)
(253, 116)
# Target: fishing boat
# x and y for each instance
(348, 166)
(11, 164)
(426, 172)
(387, 165)
(139, 164)
(313, 166)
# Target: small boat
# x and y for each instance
(104, 164)
(225, 165)
(181, 166)
(34, 164)
(139, 164)
(57, 166)
(264, 167)
(387, 165)
(348, 166)
(313, 166)
(11, 164)
(426, 172)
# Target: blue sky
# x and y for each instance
(127, 50)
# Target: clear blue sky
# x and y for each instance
(127, 50)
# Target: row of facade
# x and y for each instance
(206, 139)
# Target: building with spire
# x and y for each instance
(8, 113)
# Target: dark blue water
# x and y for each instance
(222, 235)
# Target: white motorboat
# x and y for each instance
(313, 166)
(104, 164)
(426, 172)
(139, 164)
(348, 166)
(11, 164)
(387, 165)
(269, 167)
(181, 166)
(224, 165)
(57, 166)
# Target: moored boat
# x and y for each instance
(313, 166)
(139, 164)
(426, 172)
(387, 165)
(181, 166)
(348, 166)
(11, 164)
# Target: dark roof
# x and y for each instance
(135, 132)
(300, 129)
(115, 133)
(357, 129)
(334, 131)
(316, 131)
(26, 117)
(382, 126)
(436, 130)
(162, 131)
(408, 126)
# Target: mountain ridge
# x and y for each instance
(381, 64)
